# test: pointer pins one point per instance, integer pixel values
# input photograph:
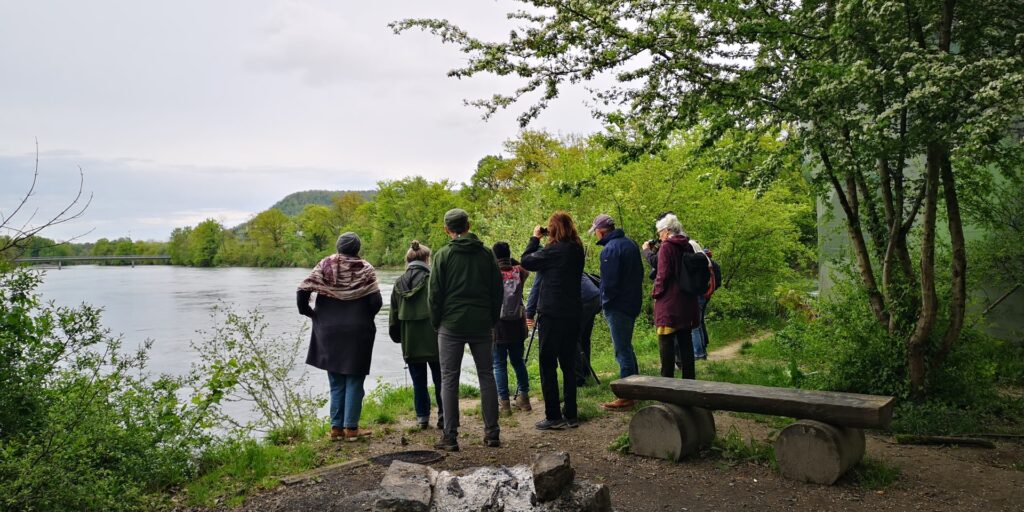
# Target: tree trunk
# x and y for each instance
(918, 342)
(958, 295)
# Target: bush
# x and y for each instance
(83, 426)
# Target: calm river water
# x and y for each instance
(171, 304)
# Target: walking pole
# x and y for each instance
(527, 356)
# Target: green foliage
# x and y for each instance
(734, 448)
(233, 470)
(874, 474)
(238, 362)
(293, 204)
(82, 425)
(204, 242)
(620, 444)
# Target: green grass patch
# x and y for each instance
(232, 471)
(465, 391)
(764, 373)
(874, 474)
(620, 444)
(733, 447)
(1019, 466)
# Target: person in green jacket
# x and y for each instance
(465, 302)
(409, 324)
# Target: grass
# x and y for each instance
(620, 444)
(874, 474)
(232, 471)
(734, 448)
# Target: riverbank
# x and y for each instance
(737, 473)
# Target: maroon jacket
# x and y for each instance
(672, 307)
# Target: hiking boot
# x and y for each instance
(504, 408)
(440, 423)
(547, 424)
(337, 433)
(423, 423)
(619, 404)
(572, 422)
(447, 443)
(492, 442)
(355, 434)
(523, 402)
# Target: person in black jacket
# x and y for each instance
(347, 299)
(560, 310)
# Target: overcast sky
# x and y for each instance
(180, 111)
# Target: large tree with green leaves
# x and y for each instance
(865, 88)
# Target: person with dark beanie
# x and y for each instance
(559, 314)
(465, 301)
(510, 332)
(347, 299)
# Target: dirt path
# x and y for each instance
(733, 349)
(933, 478)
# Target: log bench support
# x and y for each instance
(806, 451)
(812, 451)
(669, 431)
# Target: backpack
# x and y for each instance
(700, 275)
(512, 294)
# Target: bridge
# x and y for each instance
(61, 260)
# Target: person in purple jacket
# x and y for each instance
(675, 313)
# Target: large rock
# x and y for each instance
(669, 431)
(491, 489)
(812, 451)
(552, 475)
(583, 497)
(406, 488)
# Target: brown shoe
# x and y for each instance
(619, 404)
(337, 433)
(354, 434)
(523, 402)
(504, 408)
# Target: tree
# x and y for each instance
(268, 230)
(204, 242)
(346, 205)
(320, 225)
(864, 88)
(19, 230)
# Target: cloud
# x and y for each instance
(226, 217)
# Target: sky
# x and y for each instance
(180, 111)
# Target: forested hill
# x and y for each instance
(293, 203)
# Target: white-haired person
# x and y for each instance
(676, 313)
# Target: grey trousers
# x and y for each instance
(451, 347)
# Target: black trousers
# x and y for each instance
(667, 351)
(558, 348)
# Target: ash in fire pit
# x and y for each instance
(410, 456)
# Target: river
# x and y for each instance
(171, 305)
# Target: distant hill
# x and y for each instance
(292, 204)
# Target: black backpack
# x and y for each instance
(700, 275)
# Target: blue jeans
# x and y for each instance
(420, 393)
(621, 327)
(346, 399)
(512, 352)
(697, 335)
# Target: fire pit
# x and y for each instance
(410, 456)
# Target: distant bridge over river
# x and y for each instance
(61, 260)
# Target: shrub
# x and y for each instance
(83, 426)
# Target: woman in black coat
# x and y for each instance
(559, 314)
(347, 299)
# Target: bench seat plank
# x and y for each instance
(842, 409)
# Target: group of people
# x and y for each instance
(467, 294)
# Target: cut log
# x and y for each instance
(845, 409)
(812, 451)
(667, 431)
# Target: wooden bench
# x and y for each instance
(825, 442)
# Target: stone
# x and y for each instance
(552, 475)
(406, 488)
(668, 431)
(485, 488)
(812, 451)
(584, 497)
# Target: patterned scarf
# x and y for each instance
(342, 277)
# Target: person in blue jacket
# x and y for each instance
(622, 274)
